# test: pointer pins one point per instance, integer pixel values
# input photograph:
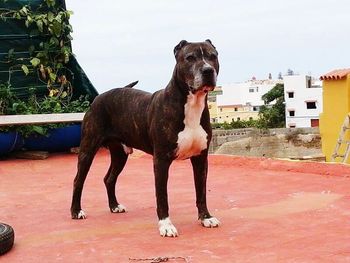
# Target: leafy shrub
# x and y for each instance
(11, 105)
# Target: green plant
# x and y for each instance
(49, 24)
(273, 116)
(11, 105)
(49, 57)
(239, 124)
(7, 98)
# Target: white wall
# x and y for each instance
(298, 84)
(238, 93)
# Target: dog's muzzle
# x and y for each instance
(208, 79)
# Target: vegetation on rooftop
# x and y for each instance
(47, 61)
(49, 58)
(273, 116)
(11, 105)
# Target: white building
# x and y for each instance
(303, 97)
(247, 93)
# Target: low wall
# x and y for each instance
(222, 136)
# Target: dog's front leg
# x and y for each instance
(161, 173)
(200, 171)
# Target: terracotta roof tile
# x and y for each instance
(336, 74)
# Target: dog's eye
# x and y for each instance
(190, 58)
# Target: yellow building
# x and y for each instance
(336, 105)
(229, 113)
(212, 104)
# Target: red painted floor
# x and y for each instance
(271, 211)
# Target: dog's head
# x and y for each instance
(197, 65)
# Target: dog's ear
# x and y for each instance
(209, 41)
(179, 46)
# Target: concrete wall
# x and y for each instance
(275, 146)
(223, 136)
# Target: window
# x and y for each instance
(308, 82)
(255, 108)
(311, 104)
(290, 94)
(250, 118)
(253, 89)
(233, 119)
(236, 109)
(291, 113)
(292, 125)
(220, 109)
(238, 118)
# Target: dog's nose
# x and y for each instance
(207, 71)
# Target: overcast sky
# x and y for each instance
(117, 42)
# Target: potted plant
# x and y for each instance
(10, 139)
(50, 137)
(55, 137)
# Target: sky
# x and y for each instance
(117, 42)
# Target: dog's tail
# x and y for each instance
(132, 84)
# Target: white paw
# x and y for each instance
(210, 222)
(81, 215)
(166, 228)
(119, 209)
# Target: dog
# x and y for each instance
(170, 124)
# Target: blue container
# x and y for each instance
(10, 141)
(58, 140)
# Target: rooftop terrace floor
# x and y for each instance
(270, 210)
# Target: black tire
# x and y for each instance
(7, 237)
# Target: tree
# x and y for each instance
(273, 116)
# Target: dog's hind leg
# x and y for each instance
(119, 156)
(88, 148)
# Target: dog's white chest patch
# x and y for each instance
(193, 139)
